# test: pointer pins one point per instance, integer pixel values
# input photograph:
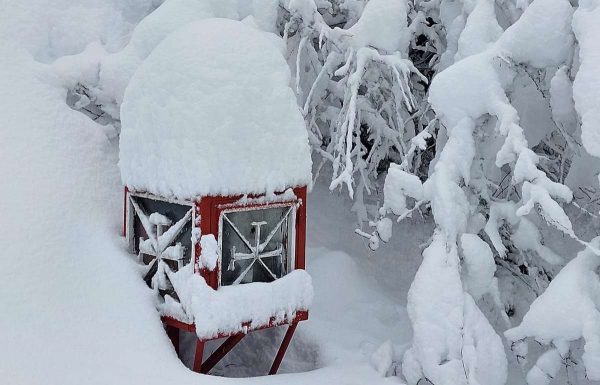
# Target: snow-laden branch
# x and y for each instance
(360, 82)
(472, 98)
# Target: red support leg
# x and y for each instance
(221, 352)
(198, 356)
(124, 232)
(284, 345)
(173, 334)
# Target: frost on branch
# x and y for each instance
(356, 85)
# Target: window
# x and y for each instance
(256, 244)
(160, 232)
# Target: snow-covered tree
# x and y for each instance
(361, 94)
(511, 146)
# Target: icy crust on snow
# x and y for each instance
(210, 112)
(586, 88)
(479, 263)
(227, 309)
(572, 302)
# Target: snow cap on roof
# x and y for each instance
(210, 112)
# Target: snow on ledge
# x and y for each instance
(210, 112)
(227, 309)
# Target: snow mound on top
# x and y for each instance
(207, 111)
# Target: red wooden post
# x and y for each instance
(124, 232)
(173, 334)
(301, 228)
(198, 356)
(284, 345)
(221, 352)
(204, 214)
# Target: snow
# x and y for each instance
(209, 255)
(453, 341)
(545, 369)
(448, 327)
(361, 305)
(384, 229)
(561, 97)
(586, 88)
(542, 37)
(193, 127)
(479, 82)
(378, 26)
(398, 185)
(448, 201)
(526, 236)
(69, 286)
(264, 13)
(77, 303)
(571, 302)
(479, 263)
(446, 89)
(480, 32)
(116, 70)
(159, 219)
(228, 309)
(383, 358)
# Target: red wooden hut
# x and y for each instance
(214, 156)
